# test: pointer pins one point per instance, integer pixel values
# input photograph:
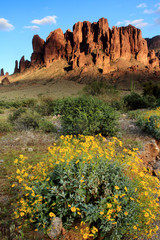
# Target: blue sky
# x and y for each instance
(20, 20)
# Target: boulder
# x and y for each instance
(55, 229)
(5, 81)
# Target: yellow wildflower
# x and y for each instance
(109, 205)
(126, 213)
(146, 214)
(102, 212)
(51, 214)
(16, 161)
(73, 209)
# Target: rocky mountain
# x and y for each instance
(154, 43)
(91, 44)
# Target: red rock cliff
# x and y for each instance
(92, 43)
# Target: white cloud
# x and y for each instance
(139, 23)
(5, 25)
(157, 5)
(119, 23)
(45, 20)
(158, 10)
(142, 5)
(149, 11)
(33, 28)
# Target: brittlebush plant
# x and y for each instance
(90, 181)
(149, 121)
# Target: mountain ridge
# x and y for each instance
(91, 44)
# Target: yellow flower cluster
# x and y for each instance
(86, 231)
(85, 149)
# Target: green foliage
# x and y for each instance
(23, 119)
(151, 89)
(1, 111)
(99, 87)
(46, 106)
(88, 116)
(16, 114)
(150, 124)
(5, 126)
(89, 180)
(82, 115)
(118, 105)
(135, 101)
(19, 103)
(27, 120)
(47, 126)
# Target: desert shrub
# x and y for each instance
(5, 126)
(48, 106)
(150, 122)
(99, 87)
(16, 114)
(47, 126)
(118, 105)
(151, 89)
(87, 180)
(18, 103)
(135, 101)
(9, 104)
(27, 120)
(1, 111)
(88, 115)
(82, 115)
(28, 103)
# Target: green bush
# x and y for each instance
(151, 89)
(18, 103)
(27, 120)
(118, 105)
(16, 114)
(135, 101)
(150, 125)
(48, 106)
(88, 116)
(1, 111)
(47, 126)
(87, 180)
(99, 87)
(5, 126)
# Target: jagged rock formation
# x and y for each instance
(23, 64)
(38, 50)
(16, 69)
(54, 47)
(154, 44)
(2, 72)
(91, 43)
